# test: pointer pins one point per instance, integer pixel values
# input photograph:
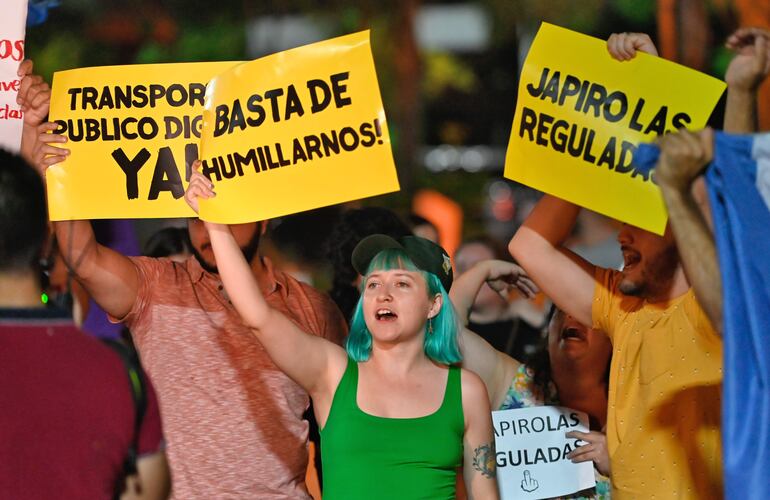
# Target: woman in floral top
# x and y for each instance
(570, 370)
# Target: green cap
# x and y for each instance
(425, 254)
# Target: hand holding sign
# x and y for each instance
(33, 98)
(44, 153)
(623, 46)
(595, 450)
(34, 95)
(200, 187)
(529, 484)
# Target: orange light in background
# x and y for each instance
(502, 202)
(442, 212)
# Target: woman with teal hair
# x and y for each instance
(398, 417)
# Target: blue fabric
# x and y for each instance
(742, 234)
(37, 11)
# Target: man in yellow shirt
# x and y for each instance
(664, 393)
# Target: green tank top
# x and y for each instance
(376, 458)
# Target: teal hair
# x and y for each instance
(440, 346)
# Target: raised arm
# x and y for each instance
(500, 275)
(313, 362)
(563, 276)
(744, 75)
(495, 368)
(683, 157)
(33, 97)
(109, 277)
(566, 278)
(479, 466)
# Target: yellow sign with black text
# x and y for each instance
(297, 130)
(580, 115)
(133, 132)
(289, 132)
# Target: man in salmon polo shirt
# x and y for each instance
(232, 420)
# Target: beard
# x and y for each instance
(249, 252)
(657, 275)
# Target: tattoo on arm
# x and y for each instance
(70, 262)
(484, 460)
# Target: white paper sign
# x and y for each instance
(531, 453)
(13, 17)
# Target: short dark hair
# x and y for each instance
(168, 241)
(23, 219)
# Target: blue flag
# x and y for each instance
(738, 183)
(37, 11)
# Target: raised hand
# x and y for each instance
(595, 450)
(200, 187)
(34, 95)
(34, 99)
(503, 276)
(751, 63)
(624, 46)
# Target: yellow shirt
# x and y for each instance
(664, 397)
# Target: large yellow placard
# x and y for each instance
(580, 115)
(297, 130)
(133, 132)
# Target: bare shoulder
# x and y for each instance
(510, 366)
(473, 389)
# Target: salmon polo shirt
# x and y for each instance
(232, 420)
(663, 414)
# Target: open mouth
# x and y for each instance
(385, 315)
(630, 257)
(572, 334)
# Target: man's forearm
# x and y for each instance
(741, 111)
(77, 245)
(110, 278)
(553, 218)
(564, 277)
(697, 251)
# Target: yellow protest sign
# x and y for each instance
(580, 115)
(297, 130)
(133, 133)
